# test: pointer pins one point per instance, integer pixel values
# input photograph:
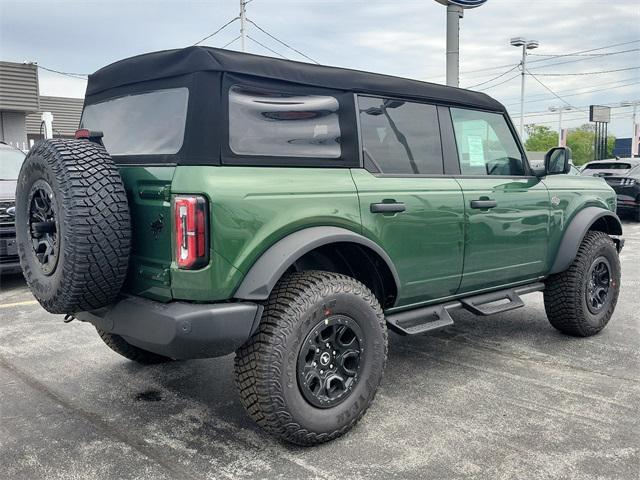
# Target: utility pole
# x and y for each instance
(560, 109)
(633, 104)
(243, 18)
(526, 45)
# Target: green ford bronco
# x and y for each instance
(217, 202)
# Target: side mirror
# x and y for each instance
(557, 161)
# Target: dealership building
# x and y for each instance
(21, 107)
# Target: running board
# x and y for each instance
(435, 317)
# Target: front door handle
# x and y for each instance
(484, 204)
(394, 207)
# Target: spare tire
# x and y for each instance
(72, 225)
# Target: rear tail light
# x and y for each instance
(192, 242)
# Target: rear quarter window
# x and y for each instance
(151, 123)
(278, 124)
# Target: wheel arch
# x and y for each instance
(589, 219)
(325, 248)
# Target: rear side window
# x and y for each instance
(277, 124)
(608, 166)
(486, 145)
(400, 137)
(150, 123)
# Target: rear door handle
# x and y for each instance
(483, 204)
(394, 207)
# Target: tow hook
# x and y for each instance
(69, 318)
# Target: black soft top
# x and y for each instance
(171, 63)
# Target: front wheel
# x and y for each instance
(581, 300)
(313, 367)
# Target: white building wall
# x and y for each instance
(13, 129)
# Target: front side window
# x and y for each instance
(150, 123)
(485, 143)
(400, 137)
(277, 124)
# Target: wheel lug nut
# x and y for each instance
(334, 352)
(321, 372)
(314, 364)
(317, 350)
(328, 345)
(331, 366)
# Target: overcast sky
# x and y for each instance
(403, 37)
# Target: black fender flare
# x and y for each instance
(576, 231)
(267, 270)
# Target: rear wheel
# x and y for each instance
(581, 300)
(313, 367)
(124, 348)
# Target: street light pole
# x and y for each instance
(526, 45)
(560, 109)
(454, 14)
(243, 17)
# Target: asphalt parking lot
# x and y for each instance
(489, 398)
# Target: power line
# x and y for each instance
(217, 31)
(494, 78)
(79, 76)
(280, 41)
(229, 43)
(265, 47)
(585, 73)
(500, 83)
(550, 91)
(587, 58)
(577, 94)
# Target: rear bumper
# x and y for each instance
(178, 330)
(9, 261)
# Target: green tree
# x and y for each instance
(580, 140)
(540, 138)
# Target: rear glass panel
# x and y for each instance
(608, 166)
(278, 124)
(150, 123)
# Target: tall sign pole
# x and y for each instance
(455, 11)
(243, 18)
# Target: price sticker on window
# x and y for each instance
(476, 151)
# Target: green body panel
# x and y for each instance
(148, 192)
(573, 194)
(508, 243)
(441, 248)
(251, 208)
(426, 242)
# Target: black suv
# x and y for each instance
(10, 162)
(623, 175)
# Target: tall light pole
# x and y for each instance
(634, 104)
(455, 11)
(560, 109)
(526, 46)
(243, 19)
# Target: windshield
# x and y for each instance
(10, 163)
(608, 166)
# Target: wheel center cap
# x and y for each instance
(325, 358)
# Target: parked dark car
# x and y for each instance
(10, 162)
(623, 175)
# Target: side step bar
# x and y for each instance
(434, 317)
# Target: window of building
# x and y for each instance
(400, 137)
(486, 145)
(277, 124)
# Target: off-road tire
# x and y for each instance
(265, 366)
(92, 222)
(565, 294)
(124, 348)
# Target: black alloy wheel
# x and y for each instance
(43, 226)
(599, 279)
(329, 361)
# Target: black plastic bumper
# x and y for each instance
(178, 330)
(9, 261)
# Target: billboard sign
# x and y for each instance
(598, 113)
(463, 3)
